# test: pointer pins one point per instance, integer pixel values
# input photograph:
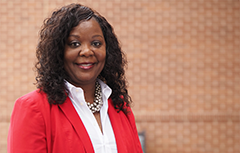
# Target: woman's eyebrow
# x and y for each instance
(97, 36)
(77, 36)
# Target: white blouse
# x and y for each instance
(102, 142)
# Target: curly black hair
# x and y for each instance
(51, 74)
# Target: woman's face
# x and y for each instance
(85, 53)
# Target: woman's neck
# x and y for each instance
(89, 92)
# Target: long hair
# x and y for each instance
(50, 54)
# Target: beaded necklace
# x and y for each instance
(97, 103)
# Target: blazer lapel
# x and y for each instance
(70, 112)
(115, 119)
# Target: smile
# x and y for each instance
(86, 66)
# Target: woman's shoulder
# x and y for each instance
(32, 98)
(35, 94)
(126, 107)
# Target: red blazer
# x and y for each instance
(38, 127)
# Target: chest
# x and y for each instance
(66, 132)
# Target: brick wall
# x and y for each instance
(183, 71)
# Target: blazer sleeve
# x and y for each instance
(27, 132)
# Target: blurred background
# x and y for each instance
(183, 70)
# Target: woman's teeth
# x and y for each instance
(85, 64)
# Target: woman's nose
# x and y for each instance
(86, 51)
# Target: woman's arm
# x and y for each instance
(27, 132)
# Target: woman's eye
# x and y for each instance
(96, 44)
(74, 44)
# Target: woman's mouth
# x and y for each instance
(85, 66)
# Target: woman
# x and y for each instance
(82, 103)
